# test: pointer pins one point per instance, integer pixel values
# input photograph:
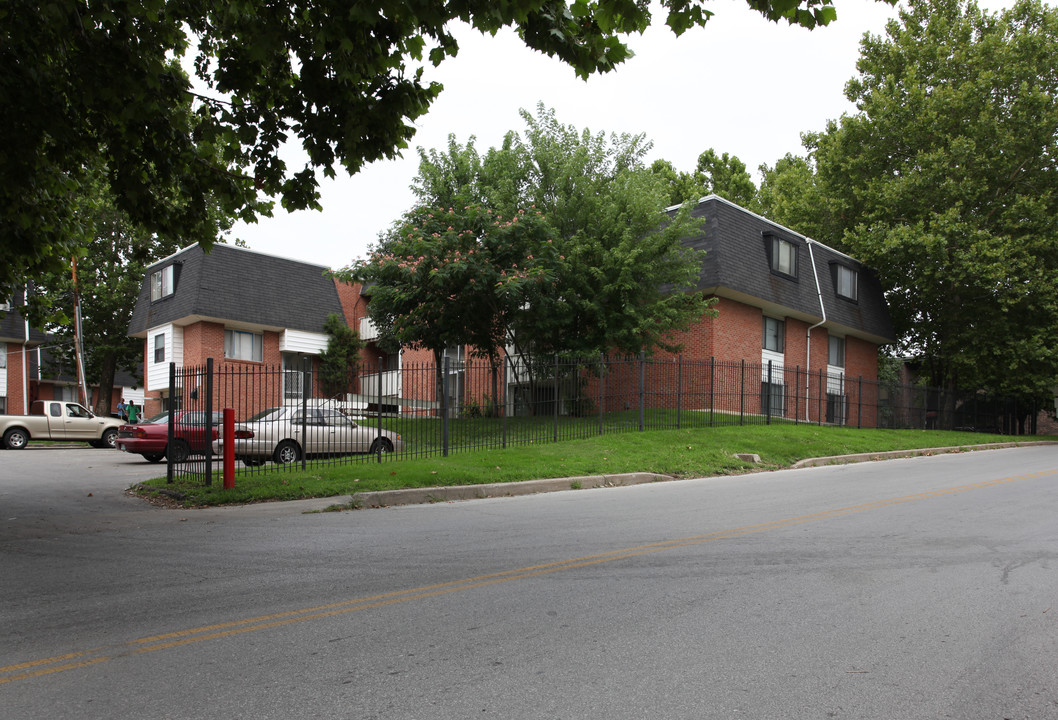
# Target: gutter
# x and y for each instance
(823, 311)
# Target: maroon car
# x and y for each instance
(151, 438)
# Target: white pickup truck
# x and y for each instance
(58, 420)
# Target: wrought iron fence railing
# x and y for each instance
(421, 410)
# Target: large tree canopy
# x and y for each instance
(85, 83)
(576, 255)
(946, 182)
(724, 175)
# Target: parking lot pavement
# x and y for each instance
(47, 490)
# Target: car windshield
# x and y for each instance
(266, 415)
(159, 418)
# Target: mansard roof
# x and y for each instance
(737, 265)
(237, 287)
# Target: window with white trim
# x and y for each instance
(3, 355)
(162, 284)
(159, 348)
(243, 345)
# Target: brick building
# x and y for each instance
(17, 342)
(808, 317)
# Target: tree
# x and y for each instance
(945, 181)
(340, 362)
(448, 276)
(109, 276)
(725, 175)
(791, 194)
(619, 274)
(344, 80)
(110, 272)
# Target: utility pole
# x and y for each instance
(82, 386)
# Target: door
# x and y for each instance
(80, 424)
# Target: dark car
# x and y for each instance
(151, 438)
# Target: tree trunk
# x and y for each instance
(107, 368)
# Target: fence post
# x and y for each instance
(712, 387)
(679, 388)
(796, 394)
(767, 401)
(554, 429)
(503, 392)
(209, 422)
(602, 381)
(742, 393)
(172, 396)
(859, 404)
(642, 388)
(378, 414)
(306, 385)
(444, 407)
(819, 411)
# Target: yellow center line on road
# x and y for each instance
(154, 643)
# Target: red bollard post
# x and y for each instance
(229, 449)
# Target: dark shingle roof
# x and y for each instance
(235, 285)
(737, 265)
(13, 323)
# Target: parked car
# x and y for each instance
(58, 420)
(276, 434)
(151, 438)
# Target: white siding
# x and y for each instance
(157, 375)
(777, 360)
(368, 331)
(298, 341)
(836, 380)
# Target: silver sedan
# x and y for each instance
(285, 434)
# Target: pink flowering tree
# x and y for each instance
(456, 276)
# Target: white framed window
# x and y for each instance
(783, 257)
(159, 348)
(836, 352)
(774, 335)
(243, 345)
(3, 355)
(162, 284)
(846, 282)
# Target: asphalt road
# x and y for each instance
(919, 588)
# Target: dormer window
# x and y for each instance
(162, 283)
(783, 256)
(846, 282)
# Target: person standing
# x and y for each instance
(123, 410)
(133, 411)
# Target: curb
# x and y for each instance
(452, 493)
(889, 455)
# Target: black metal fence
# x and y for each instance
(423, 410)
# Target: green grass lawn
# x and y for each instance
(694, 452)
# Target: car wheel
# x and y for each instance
(16, 439)
(287, 452)
(109, 439)
(179, 451)
(381, 446)
(154, 457)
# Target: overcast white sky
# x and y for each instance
(742, 85)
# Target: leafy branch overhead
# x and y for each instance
(88, 84)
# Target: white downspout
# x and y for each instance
(823, 311)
